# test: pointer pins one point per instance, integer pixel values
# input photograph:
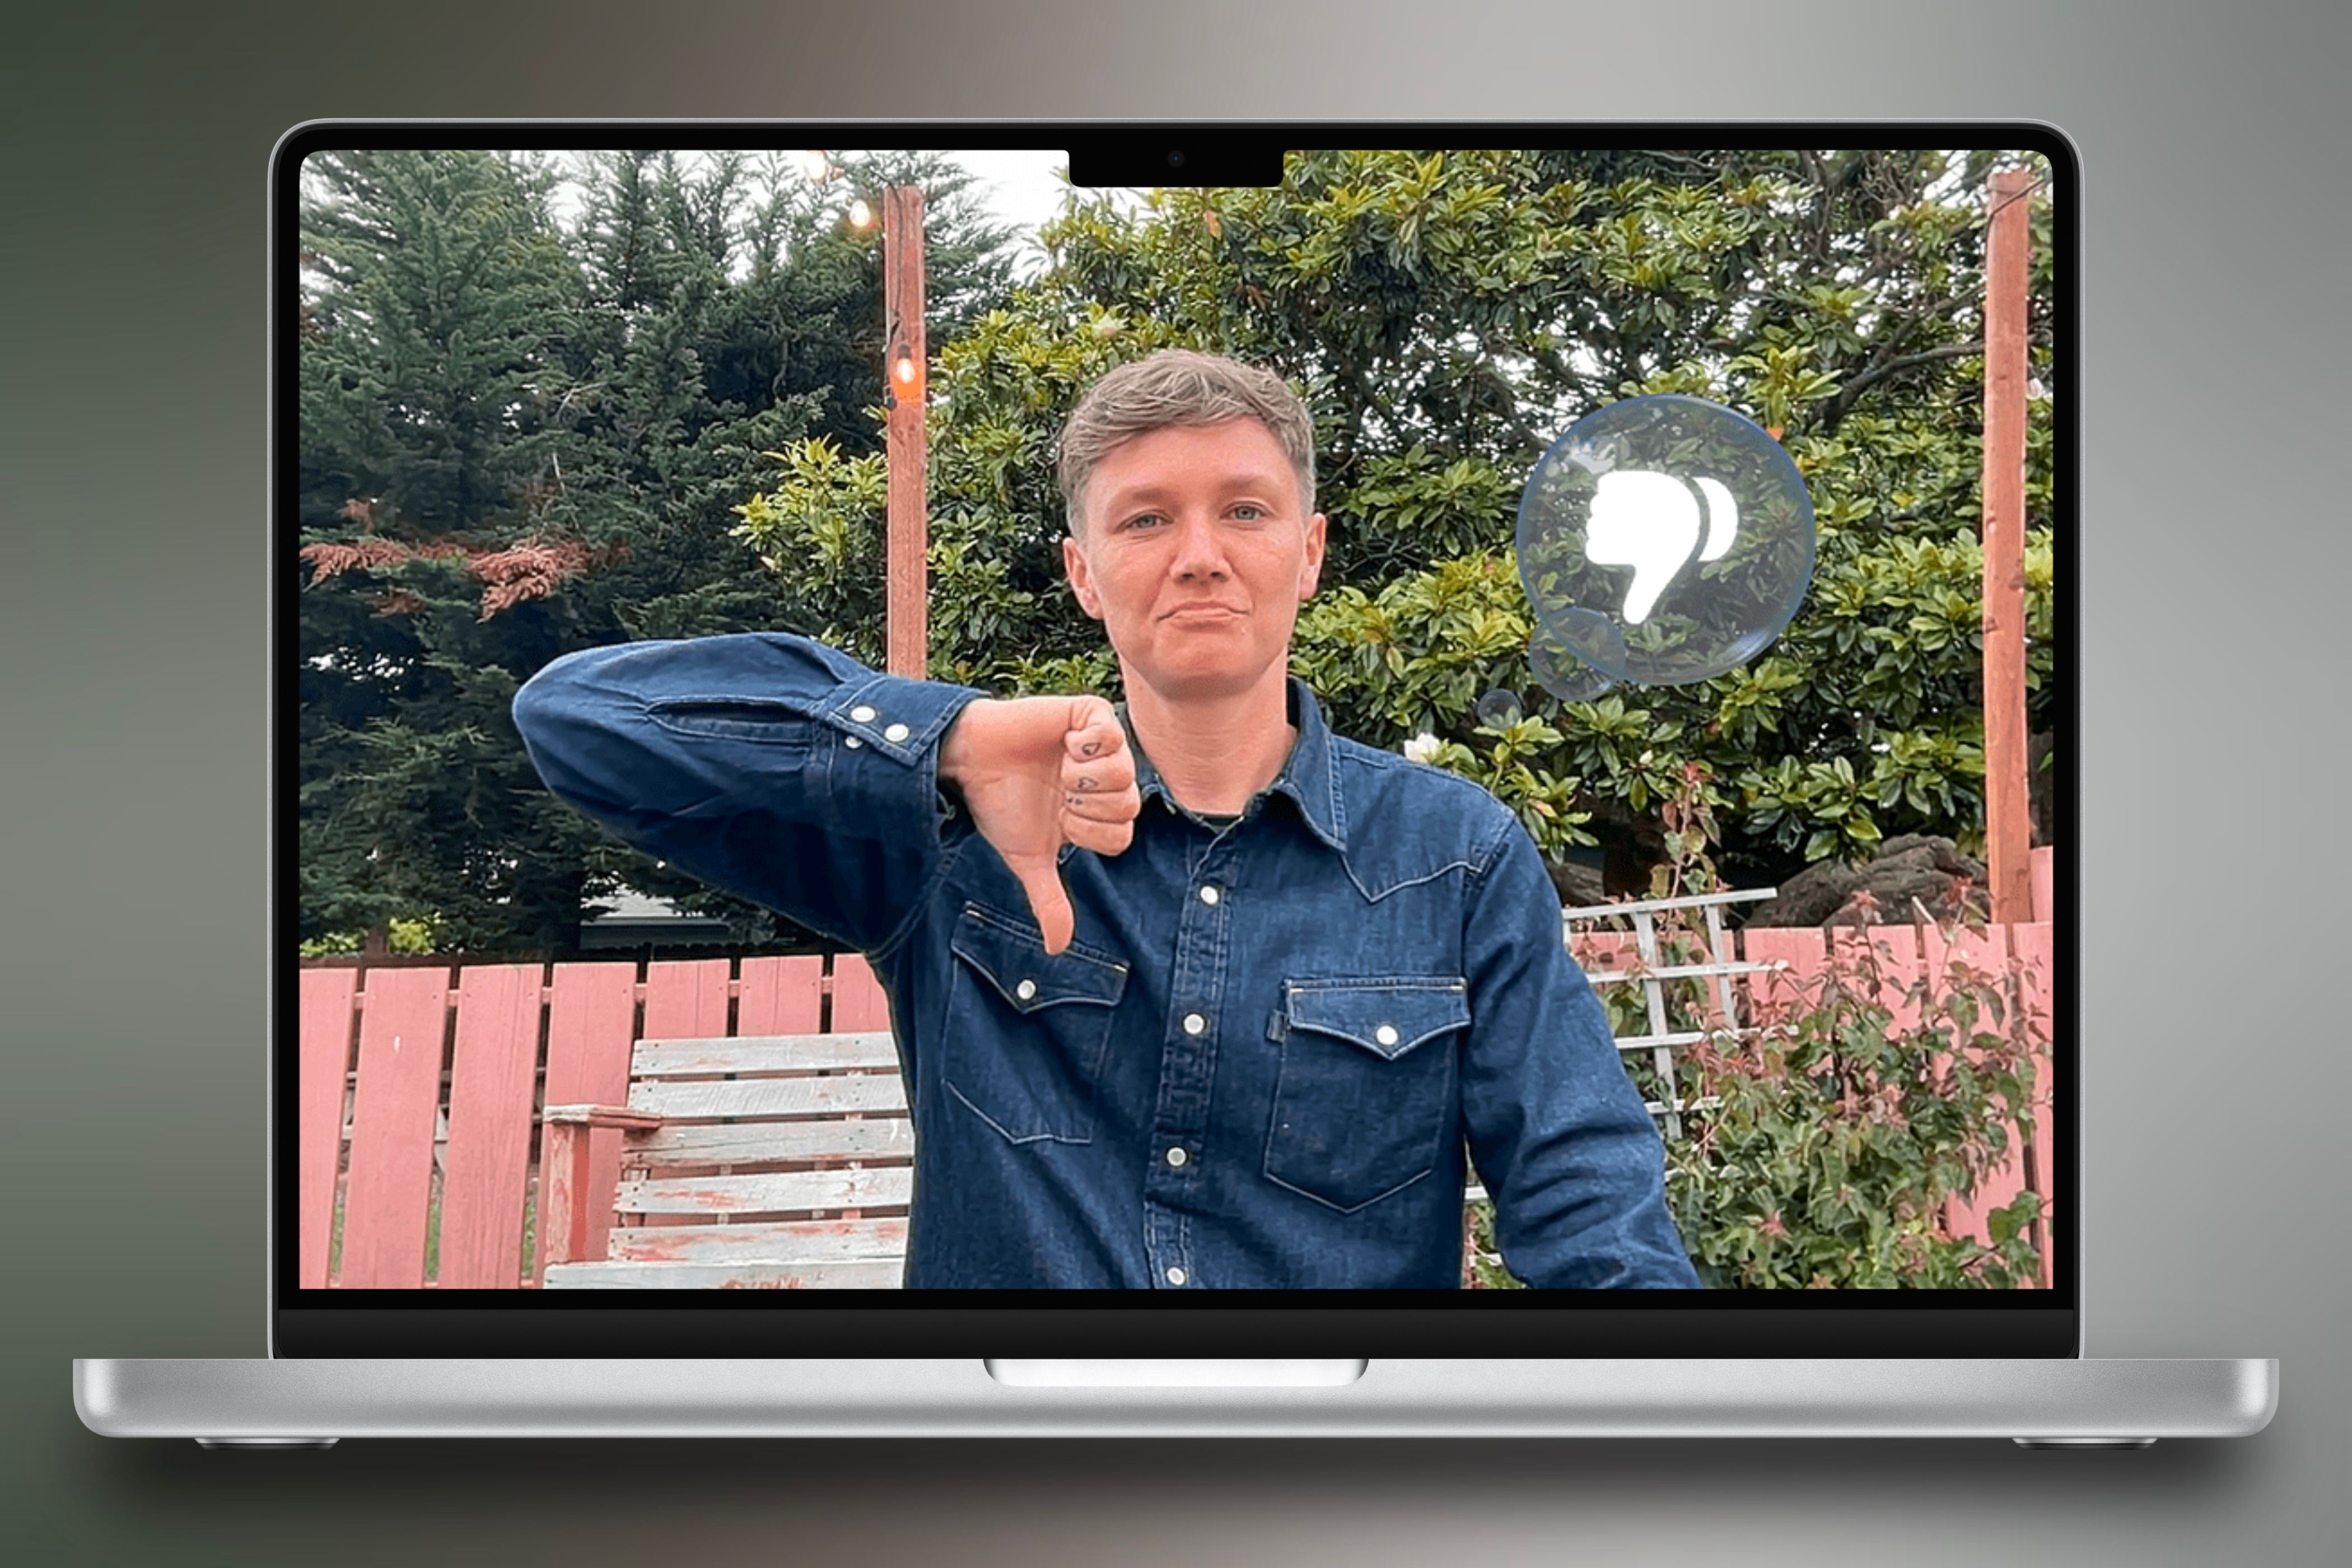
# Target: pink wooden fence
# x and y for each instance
(419, 1090)
(419, 1086)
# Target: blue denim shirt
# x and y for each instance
(1256, 1064)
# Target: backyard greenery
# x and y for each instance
(657, 418)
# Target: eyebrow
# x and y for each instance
(1136, 494)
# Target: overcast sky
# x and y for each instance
(1023, 188)
(1020, 188)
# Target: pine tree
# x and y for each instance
(518, 437)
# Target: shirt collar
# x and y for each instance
(1308, 775)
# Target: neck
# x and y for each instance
(1215, 754)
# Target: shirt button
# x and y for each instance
(1177, 1156)
(863, 714)
(1176, 1277)
(1025, 989)
(1194, 1023)
(1385, 1033)
(1209, 895)
(895, 733)
(852, 741)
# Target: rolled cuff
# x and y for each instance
(883, 772)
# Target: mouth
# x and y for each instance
(1201, 612)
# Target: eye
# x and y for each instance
(1141, 518)
(1250, 506)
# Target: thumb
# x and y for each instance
(1041, 878)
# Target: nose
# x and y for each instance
(1198, 553)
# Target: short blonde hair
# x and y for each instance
(1180, 386)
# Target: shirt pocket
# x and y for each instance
(1026, 1031)
(1366, 1096)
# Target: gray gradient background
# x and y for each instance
(132, 909)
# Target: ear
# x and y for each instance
(1311, 568)
(1082, 583)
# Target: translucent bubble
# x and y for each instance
(1499, 709)
(1664, 540)
(1561, 672)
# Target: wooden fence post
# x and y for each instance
(904, 374)
(2007, 821)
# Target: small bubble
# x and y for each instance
(1498, 709)
(1561, 672)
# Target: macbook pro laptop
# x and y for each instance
(975, 777)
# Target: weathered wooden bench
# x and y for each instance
(798, 1146)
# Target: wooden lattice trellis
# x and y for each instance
(1652, 975)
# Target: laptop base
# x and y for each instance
(2042, 1402)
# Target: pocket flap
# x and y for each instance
(1013, 959)
(1386, 1018)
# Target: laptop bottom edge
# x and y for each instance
(310, 1402)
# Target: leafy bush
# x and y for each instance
(1836, 1135)
(1826, 1144)
(1821, 1149)
(404, 936)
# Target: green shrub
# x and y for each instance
(1820, 1149)
(1836, 1136)
(402, 936)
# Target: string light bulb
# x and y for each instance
(861, 213)
(906, 375)
(816, 166)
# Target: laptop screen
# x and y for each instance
(1069, 738)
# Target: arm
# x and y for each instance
(790, 774)
(763, 763)
(1557, 1129)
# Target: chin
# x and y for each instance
(1205, 688)
(1188, 681)
(1187, 665)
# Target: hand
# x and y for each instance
(1037, 773)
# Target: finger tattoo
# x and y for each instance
(1091, 747)
(1085, 781)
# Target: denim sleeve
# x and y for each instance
(765, 764)
(1556, 1127)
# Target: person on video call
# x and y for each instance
(1190, 992)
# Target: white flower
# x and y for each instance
(1421, 748)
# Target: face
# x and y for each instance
(1194, 557)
